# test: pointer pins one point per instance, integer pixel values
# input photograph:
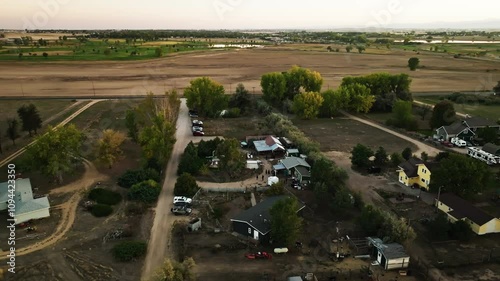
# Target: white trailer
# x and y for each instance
(482, 155)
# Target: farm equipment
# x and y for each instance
(259, 256)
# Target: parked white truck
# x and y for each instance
(458, 142)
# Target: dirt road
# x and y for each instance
(68, 209)
(431, 151)
(158, 248)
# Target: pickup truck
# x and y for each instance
(458, 142)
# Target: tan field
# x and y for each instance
(440, 72)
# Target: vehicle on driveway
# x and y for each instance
(447, 143)
(183, 199)
(181, 211)
(198, 133)
(197, 123)
(259, 256)
(458, 142)
(193, 113)
(197, 128)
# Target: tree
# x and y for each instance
(370, 220)
(407, 153)
(146, 191)
(361, 156)
(12, 130)
(423, 110)
(158, 139)
(413, 63)
(241, 99)
(307, 105)
(131, 124)
(496, 89)
(360, 48)
(207, 96)
(461, 230)
(488, 134)
(327, 180)
(129, 250)
(159, 52)
(45, 55)
(403, 115)
(470, 176)
(357, 97)
(30, 118)
(174, 271)
(186, 186)
(108, 149)
(424, 156)
(443, 114)
(273, 87)
(348, 48)
(57, 151)
(298, 78)
(131, 177)
(439, 228)
(396, 159)
(190, 162)
(380, 157)
(285, 222)
(276, 189)
(231, 159)
(332, 103)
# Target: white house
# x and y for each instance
(27, 208)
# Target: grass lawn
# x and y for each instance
(491, 112)
(46, 107)
(342, 134)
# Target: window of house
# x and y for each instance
(249, 230)
(423, 180)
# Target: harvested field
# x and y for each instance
(441, 73)
(342, 134)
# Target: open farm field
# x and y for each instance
(105, 78)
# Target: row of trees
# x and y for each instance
(31, 122)
(361, 156)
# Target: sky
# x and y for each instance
(244, 14)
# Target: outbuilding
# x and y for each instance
(389, 256)
(26, 206)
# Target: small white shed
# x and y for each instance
(272, 180)
(253, 164)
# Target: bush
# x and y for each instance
(263, 107)
(146, 191)
(101, 210)
(186, 186)
(233, 113)
(276, 189)
(104, 196)
(129, 250)
(131, 177)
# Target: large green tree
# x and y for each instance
(12, 131)
(307, 105)
(190, 162)
(207, 96)
(175, 271)
(30, 118)
(108, 148)
(461, 175)
(186, 185)
(55, 152)
(360, 156)
(380, 157)
(443, 114)
(232, 159)
(298, 78)
(241, 99)
(157, 140)
(413, 63)
(332, 103)
(357, 97)
(402, 115)
(285, 222)
(273, 87)
(146, 191)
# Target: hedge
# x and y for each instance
(101, 210)
(104, 196)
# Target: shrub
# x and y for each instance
(129, 250)
(101, 210)
(233, 113)
(276, 189)
(104, 196)
(146, 191)
(131, 177)
(186, 185)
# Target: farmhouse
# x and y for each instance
(414, 172)
(256, 221)
(389, 256)
(294, 166)
(27, 208)
(465, 129)
(269, 145)
(459, 209)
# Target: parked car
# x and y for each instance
(193, 113)
(259, 255)
(183, 199)
(458, 142)
(197, 123)
(181, 211)
(447, 143)
(197, 128)
(198, 133)
(182, 204)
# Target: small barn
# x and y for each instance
(389, 256)
(255, 222)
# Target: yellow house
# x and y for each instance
(414, 172)
(459, 209)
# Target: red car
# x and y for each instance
(259, 255)
(447, 143)
(198, 133)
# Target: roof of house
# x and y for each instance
(269, 144)
(464, 209)
(475, 122)
(32, 206)
(258, 216)
(291, 162)
(295, 278)
(25, 203)
(292, 150)
(393, 251)
(303, 171)
(491, 148)
(455, 128)
(410, 166)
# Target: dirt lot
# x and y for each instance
(342, 134)
(441, 73)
